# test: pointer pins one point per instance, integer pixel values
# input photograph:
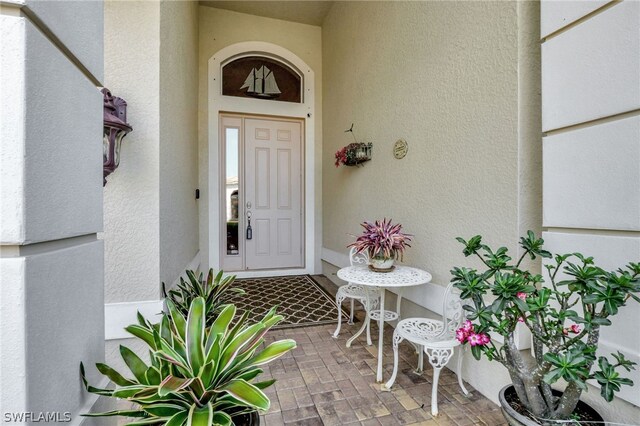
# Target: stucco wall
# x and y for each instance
(178, 137)
(221, 28)
(131, 197)
(443, 76)
(455, 80)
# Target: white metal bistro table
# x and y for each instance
(401, 276)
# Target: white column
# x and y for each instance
(51, 262)
(591, 154)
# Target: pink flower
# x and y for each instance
(467, 326)
(575, 328)
(461, 335)
(479, 339)
(475, 339)
(484, 338)
(521, 295)
(521, 319)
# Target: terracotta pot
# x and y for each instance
(514, 418)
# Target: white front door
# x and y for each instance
(269, 196)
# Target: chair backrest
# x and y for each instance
(358, 258)
(453, 314)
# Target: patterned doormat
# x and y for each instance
(300, 300)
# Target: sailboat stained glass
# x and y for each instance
(261, 78)
(261, 83)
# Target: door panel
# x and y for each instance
(273, 158)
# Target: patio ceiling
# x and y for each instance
(305, 12)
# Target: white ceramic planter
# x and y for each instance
(380, 263)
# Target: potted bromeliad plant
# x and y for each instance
(383, 241)
(199, 375)
(563, 313)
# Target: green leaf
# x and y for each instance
(142, 333)
(243, 337)
(221, 324)
(178, 419)
(265, 384)
(173, 384)
(153, 376)
(164, 409)
(124, 413)
(129, 391)
(177, 318)
(149, 421)
(200, 416)
(135, 364)
(113, 375)
(247, 393)
(476, 351)
(220, 418)
(195, 335)
(273, 351)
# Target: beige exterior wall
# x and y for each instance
(151, 221)
(457, 80)
(443, 76)
(131, 197)
(178, 137)
(221, 28)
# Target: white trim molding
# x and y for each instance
(117, 316)
(218, 103)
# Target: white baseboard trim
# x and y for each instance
(117, 316)
(341, 260)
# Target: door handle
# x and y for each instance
(249, 230)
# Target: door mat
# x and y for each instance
(301, 301)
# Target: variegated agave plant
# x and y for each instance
(216, 291)
(198, 374)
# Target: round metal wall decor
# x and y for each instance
(400, 149)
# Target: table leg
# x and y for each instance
(380, 335)
(359, 332)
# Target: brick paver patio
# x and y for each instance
(322, 382)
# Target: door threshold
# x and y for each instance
(266, 273)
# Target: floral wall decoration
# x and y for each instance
(355, 153)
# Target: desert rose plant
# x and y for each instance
(382, 239)
(564, 315)
(198, 375)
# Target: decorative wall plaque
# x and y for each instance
(400, 149)
(261, 78)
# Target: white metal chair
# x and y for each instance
(365, 295)
(436, 338)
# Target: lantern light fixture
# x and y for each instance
(115, 129)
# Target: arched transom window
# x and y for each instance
(261, 78)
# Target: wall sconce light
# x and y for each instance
(115, 129)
